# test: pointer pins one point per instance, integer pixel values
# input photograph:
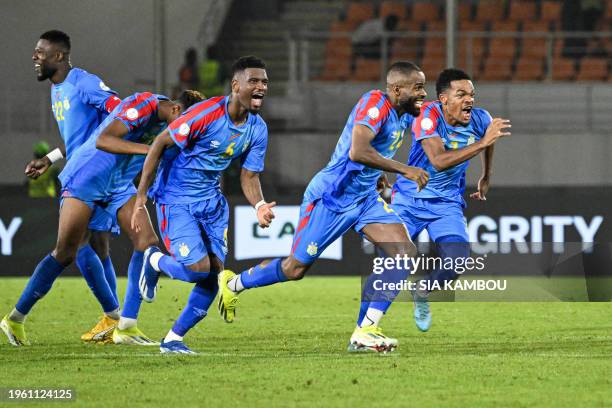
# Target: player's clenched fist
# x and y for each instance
(37, 167)
(265, 214)
(417, 174)
(497, 128)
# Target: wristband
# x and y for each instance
(259, 204)
(55, 155)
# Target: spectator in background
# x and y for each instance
(591, 14)
(211, 74)
(188, 73)
(367, 37)
(46, 185)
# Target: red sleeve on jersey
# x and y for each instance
(111, 103)
(194, 122)
(137, 110)
(372, 111)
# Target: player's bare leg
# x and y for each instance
(74, 217)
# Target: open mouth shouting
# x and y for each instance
(466, 113)
(257, 100)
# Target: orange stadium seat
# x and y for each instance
(425, 11)
(608, 13)
(478, 52)
(535, 47)
(341, 27)
(593, 69)
(496, 69)
(529, 69)
(505, 26)
(464, 12)
(521, 10)
(359, 12)
(563, 69)
(338, 47)
(473, 26)
(434, 47)
(439, 26)
(490, 11)
(396, 8)
(367, 70)
(408, 25)
(502, 47)
(551, 11)
(405, 49)
(432, 66)
(336, 69)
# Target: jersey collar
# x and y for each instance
(230, 121)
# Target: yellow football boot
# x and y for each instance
(102, 332)
(15, 332)
(228, 299)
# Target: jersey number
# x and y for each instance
(397, 142)
(229, 152)
(58, 110)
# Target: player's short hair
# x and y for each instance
(447, 76)
(249, 61)
(189, 97)
(404, 67)
(57, 37)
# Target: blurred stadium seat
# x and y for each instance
(492, 57)
(550, 11)
(425, 12)
(593, 69)
(522, 10)
(359, 12)
(490, 11)
(367, 70)
(563, 69)
(396, 8)
(529, 69)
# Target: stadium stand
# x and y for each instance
(508, 40)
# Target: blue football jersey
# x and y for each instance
(208, 141)
(107, 173)
(79, 105)
(343, 184)
(448, 184)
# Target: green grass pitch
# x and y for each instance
(287, 348)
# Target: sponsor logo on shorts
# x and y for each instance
(183, 249)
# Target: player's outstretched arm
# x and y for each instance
(111, 140)
(37, 167)
(251, 187)
(487, 169)
(149, 168)
(442, 159)
(362, 152)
